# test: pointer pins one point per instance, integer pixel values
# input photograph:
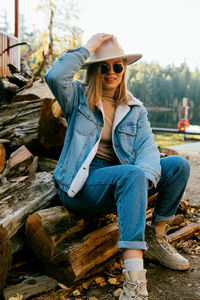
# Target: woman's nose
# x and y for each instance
(111, 71)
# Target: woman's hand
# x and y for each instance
(96, 40)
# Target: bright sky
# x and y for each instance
(164, 31)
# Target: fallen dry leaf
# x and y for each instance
(117, 266)
(76, 293)
(86, 284)
(18, 297)
(100, 281)
(113, 281)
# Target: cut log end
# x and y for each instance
(2, 157)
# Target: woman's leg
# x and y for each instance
(115, 189)
(123, 189)
(170, 188)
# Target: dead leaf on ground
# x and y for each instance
(113, 281)
(100, 281)
(18, 297)
(87, 283)
(76, 292)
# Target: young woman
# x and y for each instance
(110, 161)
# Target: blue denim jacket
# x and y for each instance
(133, 141)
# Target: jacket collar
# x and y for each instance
(134, 101)
(123, 109)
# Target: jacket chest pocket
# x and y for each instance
(84, 124)
(127, 134)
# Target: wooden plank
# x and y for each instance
(32, 286)
(11, 56)
(184, 232)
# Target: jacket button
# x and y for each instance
(126, 160)
(116, 145)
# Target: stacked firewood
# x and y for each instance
(32, 131)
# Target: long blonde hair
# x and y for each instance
(94, 87)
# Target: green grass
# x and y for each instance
(168, 139)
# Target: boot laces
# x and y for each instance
(164, 242)
(135, 287)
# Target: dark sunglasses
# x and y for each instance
(105, 68)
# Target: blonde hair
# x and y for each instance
(94, 87)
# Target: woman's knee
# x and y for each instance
(176, 164)
(134, 173)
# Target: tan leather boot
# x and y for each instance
(160, 250)
(134, 286)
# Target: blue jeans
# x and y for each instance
(123, 189)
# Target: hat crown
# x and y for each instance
(109, 48)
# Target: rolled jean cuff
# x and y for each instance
(158, 218)
(132, 245)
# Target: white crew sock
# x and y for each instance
(134, 264)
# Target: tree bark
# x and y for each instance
(19, 123)
(5, 256)
(30, 287)
(51, 129)
(32, 123)
(20, 199)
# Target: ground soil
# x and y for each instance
(163, 283)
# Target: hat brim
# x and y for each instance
(130, 59)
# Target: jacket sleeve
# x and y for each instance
(60, 77)
(147, 155)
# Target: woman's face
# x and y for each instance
(111, 73)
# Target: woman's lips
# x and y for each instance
(110, 79)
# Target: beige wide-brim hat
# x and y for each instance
(110, 49)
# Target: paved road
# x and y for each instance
(193, 147)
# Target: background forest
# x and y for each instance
(155, 85)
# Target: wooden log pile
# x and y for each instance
(69, 247)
